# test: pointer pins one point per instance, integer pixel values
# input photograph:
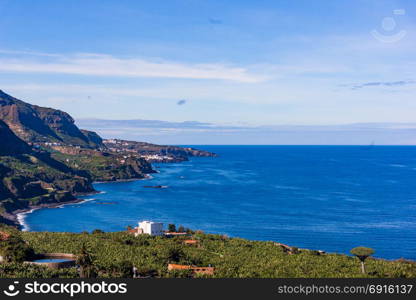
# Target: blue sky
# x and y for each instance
(229, 63)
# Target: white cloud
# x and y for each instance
(107, 65)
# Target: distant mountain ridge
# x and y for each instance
(35, 124)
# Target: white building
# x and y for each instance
(152, 228)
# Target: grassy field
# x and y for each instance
(115, 253)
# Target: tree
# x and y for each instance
(181, 229)
(85, 262)
(175, 254)
(362, 253)
(97, 231)
(125, 269)
(14, 249)
(171, 228)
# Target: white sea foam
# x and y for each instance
(397, 166)
(74, 203)
(21, 219)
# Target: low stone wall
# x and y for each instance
(55, 265)
(57, 255)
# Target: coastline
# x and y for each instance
(21, 214)
(37, 217)
(17, 217)
(146, 177)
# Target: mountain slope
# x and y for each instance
(54, 131)
(31, 177)
(46, 159)
(35, 124)
(10, 143)
(155, 152)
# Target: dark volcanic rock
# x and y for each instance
(10, 143)
(93, 137)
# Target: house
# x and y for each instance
(190, 242)
(151, 228)
(4, 236)
(147, 227)
(195, 270)
(135, 231)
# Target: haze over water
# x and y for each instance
(331, 198)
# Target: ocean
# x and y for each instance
(331, 198)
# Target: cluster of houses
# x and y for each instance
(157, 157)
(114, 144)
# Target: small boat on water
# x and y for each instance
(156, 186)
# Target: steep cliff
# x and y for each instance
(30, 177)
(35, 124)
(45, 158)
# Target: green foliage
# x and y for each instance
(363, 252)
(113, 253)
(105, 167)
(123, 269)
(171, 228)
(14, 249)
(85, 262)
(30, 180)
(19, 270)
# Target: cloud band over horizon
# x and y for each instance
(192, 132)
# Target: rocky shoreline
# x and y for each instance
(16, 220)
(16, 217)
(13, 217)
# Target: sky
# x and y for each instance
(238, 66)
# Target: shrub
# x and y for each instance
(14, 249)
(171, 228)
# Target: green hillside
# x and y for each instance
(115, 253)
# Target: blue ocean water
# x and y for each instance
(331, 198)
